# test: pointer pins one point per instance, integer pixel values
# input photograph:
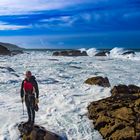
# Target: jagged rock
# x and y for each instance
(133, 89)
(123, 89)
(70, 53)
(128, 52)
(36, 132)
(120, 89)
(101, 53)
(104, 82)
(4, 51)
(118, 117)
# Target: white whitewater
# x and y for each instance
(63, 95)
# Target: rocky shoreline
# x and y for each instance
(101, 53)
(118, 116)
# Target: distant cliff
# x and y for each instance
(9, 49)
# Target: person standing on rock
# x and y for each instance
(30, 94)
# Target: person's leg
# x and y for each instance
(27, 102)
(32, 108)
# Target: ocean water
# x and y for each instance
(63, 95)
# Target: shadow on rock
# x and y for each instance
(36, 132)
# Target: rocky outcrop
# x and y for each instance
(104, 82)
(9, 49)
(4, 51)
(123, 89)
(118, 117)
(70, 53)
(36, 132)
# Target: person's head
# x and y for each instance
(28, 74)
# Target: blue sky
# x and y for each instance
(70, 24)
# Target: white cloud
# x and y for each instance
(59, 21)
(17, 7)
(62, 18)
(6, 26)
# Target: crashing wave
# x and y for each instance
(114, 53)
(91, 52)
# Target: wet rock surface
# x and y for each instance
(123, 89)
(103, 53)
(104, 82)
(118, 117)
(15, 52)
(70, 53)
(36, 132)
(129, 52)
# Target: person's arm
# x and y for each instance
(21, 90)
(36, 89)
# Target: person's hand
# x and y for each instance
(36, 101)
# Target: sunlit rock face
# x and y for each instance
(104, 82)
(118, 116)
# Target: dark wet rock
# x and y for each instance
(4, 51)
(134, 89)
(117, 117)
(56, 54)
(76, 67)
(12, 81)
(120, 89)
(103, 53)
(70, 53)
(129, 52)
(53, 59)
(10, 69)
(123, 89)
(104, 82)
(36, 132)
(15, 52)
(7, 68)
(97, 73)
(48, 81)
(15, 74)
